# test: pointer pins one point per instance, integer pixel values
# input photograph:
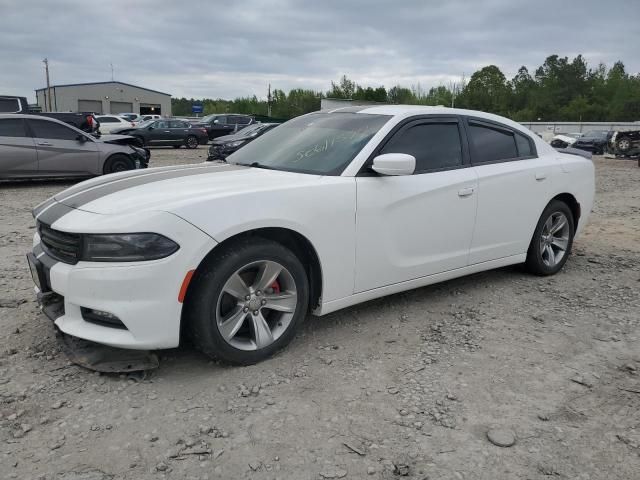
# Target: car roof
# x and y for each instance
(403, 111)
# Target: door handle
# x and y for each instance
(541, 176)
(465, 192)
(44, 144)
(167, 131)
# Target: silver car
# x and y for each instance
(32, 146)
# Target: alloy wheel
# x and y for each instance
(192, 142)
(554, 239)
(256, 305)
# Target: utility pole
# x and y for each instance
(46, 69)
(111, 71)
(269, 102)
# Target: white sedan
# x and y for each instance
(108, 123)
(326, 211)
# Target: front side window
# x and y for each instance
(12, 127)
(176, 124)
(52, 130)
(491, 144)
(9, 105)
(161, 124)
(435, 146)
(317, 143)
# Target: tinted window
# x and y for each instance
(492, 144)
(9, 105)
(54, 131)
(13, 127)
(108, 120)
(244, 120)
(524, 146)
(221, 120)
(175, 124)
(161, 124)
(435, 145)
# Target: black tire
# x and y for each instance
(201, 304)
(177, 146)
(623, 144)
(535, 262)
(118, 163)
(191, 142)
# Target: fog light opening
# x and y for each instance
(102, 318)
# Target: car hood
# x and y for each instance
(170, 189)
(118, 139)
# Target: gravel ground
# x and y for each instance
(412, 385)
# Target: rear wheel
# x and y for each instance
(552, 240)
(191, 142)
(247, 301)
(623, 144)
(118, 163)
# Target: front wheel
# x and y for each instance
(552, 240)
(623, 144)
(118, 163)
(191, 142)
(247, 301)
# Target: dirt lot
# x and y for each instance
(407, 385)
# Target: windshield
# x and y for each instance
(144, 124)
(318, 143)
(251, 130)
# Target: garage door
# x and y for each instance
(94, 106)
(121, 107)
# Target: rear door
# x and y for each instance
(18, 156)
(514, 186)
(63, 150)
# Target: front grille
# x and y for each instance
(63, 246)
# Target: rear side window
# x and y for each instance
(244, 120)
(524, 145)
(13, 127)
(108, 120)
(175, 124)
(9, 105)
(52, 130)
(492, 144)
(434, 145)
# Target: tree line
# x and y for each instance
(558, 90)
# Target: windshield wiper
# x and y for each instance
(259, 165)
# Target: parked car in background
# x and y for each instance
(34, 146)
(326, 211)
(564, 140)
(218, 125)
(224, 146)
(130, 116)
(166, 132)
(594, 141)
(625, 143)
(108, 123)
(144, 118)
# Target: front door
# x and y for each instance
(63, 150)
(160, 134)
(18, 156)
(413, 226)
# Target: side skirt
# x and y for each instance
(334, 305)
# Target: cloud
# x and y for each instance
(203, 48)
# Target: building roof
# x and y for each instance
(103, 83)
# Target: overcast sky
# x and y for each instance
(207, 48)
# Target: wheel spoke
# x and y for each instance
(261, 331)
(282, 302)
(558, 224)
(550, 255)
(236, 287)
(548, 225)
(230, 326)
(560, 242)
(267, 274)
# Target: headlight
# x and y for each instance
(127, 247)
(234, 144)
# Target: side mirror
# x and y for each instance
(394, 164)
(150, 128)
(216, 121)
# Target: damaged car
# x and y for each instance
(33, 146)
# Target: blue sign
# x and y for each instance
(196, 108)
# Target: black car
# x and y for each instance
(594, 141)
(166, 132)
(626, 143)
(218, 125)
(224, 146)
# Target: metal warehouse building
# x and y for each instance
(103, 97)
